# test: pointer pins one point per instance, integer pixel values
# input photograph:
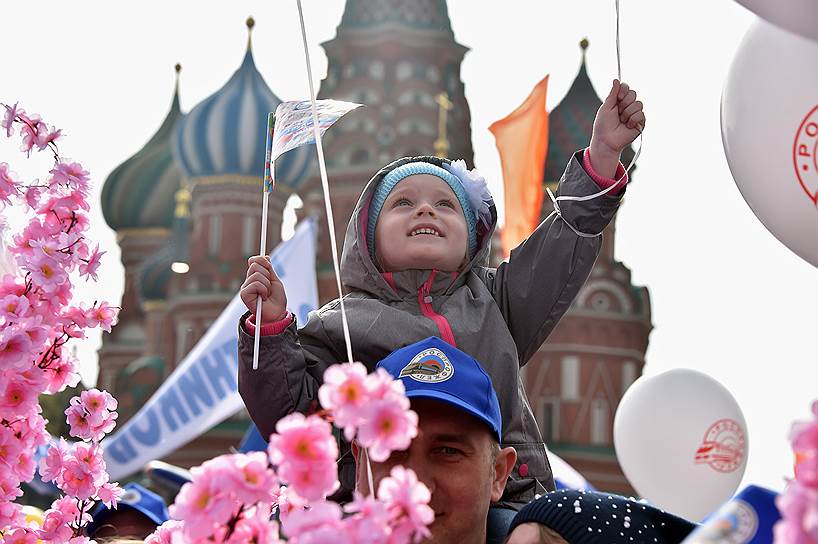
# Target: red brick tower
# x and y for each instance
(397, 57)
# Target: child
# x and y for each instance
(414, 265)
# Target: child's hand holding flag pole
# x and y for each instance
(292, 125)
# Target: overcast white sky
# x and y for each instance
(728, 299)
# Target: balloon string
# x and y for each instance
(556, 200)
(322, 167)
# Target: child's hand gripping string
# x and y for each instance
(262, 282)
(618, 122)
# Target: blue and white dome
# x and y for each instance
(225, 134)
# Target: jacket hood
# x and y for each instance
(359, 272)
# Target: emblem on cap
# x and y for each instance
(429, 366)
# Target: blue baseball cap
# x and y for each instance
(433, 369)
(136, 497)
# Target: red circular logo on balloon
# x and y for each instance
(805, 154)
(723, 446)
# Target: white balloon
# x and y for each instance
(799, 16)
(769, 127)
(681, 441)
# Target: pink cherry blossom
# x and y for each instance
(369, 523)
(255, 526)
(46, 272)
(51, 464)
(8, 186)
(17, 398)
(67, 506)
(407, 500)
(202, 505)
(61, 374)
(20, 535)
(804, 437)
(24, 466)
(288, 501)
(71, 175)
(46, 136)
(91, 264)
(167, 533)
(9, 116)
(312, 481)
(9, 487)
(98, 408)
(799, 509)
(10, 514)
(90, 455)
(302, 439)
(13, 308)
(15, 347)
(320, 524)
(77, 419)
(344, 392)
(305, 451)
(103, 316)
(56, 527)
(251, 479)
(110, 493)
(29, 129)
(388, 426)
(32, 197)
(76, 480)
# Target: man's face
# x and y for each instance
(421, 225)
(454, 455)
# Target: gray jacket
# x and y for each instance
(499, 316)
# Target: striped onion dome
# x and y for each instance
(139, 192)
(225, 134)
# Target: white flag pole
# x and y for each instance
(269, 183)
(325, 184)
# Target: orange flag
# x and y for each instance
(522, 140)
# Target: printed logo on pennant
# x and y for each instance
(805, 154)
(429, 366)
(723, 446)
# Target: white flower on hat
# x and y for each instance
(476, 189)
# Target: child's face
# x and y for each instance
(422, 226)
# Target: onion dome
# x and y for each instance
(224, 136)
(139, 192)
(571, 122)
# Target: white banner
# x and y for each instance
(203, 390)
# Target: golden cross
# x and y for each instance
(442, 143)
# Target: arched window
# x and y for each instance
(600, 425)
(569, 377)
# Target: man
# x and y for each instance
(138, 514)
(457, 451)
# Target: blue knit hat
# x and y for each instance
(395, 176)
